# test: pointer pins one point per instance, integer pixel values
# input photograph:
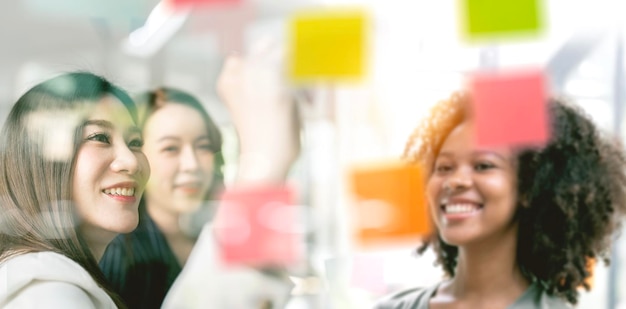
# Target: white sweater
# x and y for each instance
(206, 283)
(49, 280)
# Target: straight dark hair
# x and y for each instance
(35, 195)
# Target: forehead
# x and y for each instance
(175, 109)
(113, 110)
(462, 141)
(174, 117)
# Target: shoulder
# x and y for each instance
(49, 277)
(51, 294)
(41, 265)
(414, 298)
(553, 302)
(536, 297)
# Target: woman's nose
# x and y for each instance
(188, 159)
(125, 160)
(459, 180)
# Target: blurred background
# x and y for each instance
(415, 57)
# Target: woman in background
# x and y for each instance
(183, 146)
(72, 175)
(515, 227)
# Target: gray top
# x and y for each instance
(417, 298)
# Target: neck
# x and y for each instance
(167, 221)
(169, 224)
(97, 239)
(489, 267)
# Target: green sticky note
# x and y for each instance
(487, 19)
(328, 45)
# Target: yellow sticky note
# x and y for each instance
(328, 45)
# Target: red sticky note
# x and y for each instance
(368, 274)
(510, 108)
(203, 3)
(256, 226)
(390, 203)
(227, 23)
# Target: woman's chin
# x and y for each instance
(457, 238)
(188, 206)
(126, 225)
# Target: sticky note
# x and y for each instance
(389, 203)
(510, 108)
(484, 19)
(328, 45)
(204, 3)
(227, 23)
(256, 226)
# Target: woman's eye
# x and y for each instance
(136, 143)
(205, 147)
(100, 137)
(170, 149)
(443, 168)
(483, 166)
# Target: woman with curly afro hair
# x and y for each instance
(515, 227)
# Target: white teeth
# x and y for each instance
(460, 208)
(120, 191)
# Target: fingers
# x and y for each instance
(229, 78)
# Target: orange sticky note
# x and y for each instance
(328, 45)
(390, 203)
(255, 226)
(510, 108)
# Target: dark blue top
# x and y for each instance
(140, 266)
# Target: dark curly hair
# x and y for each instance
(571, 194)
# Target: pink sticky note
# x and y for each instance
(256, 226)
(368, 274)
(200, 3)
(510, 108)
(227, 23)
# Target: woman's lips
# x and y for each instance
(189, 187)
(459, 210)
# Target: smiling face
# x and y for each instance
(471, 190)
(179, 150)
(110, 170)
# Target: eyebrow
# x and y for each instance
(476, 153)
(485, 152)
(101, 123)
(108, 125)
(169, 137)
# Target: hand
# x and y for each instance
(263, 113)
